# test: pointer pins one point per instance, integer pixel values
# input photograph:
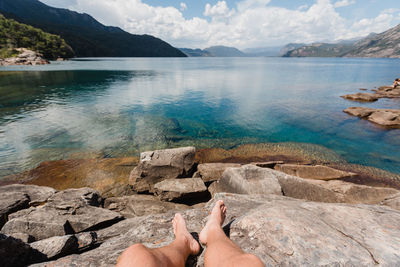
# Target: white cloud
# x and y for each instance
(183, 6)
(251, 23)
(343, 3)
(219, 10)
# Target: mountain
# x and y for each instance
(224, 51)
(385, 44)
(290, 47)
(272, 51)
(16, 35)
(214, 51)
(86, 36)
(195, 52)
(319, 50)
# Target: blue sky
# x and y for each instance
(242, 23)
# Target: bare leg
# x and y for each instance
(175, 254)
(221, 251)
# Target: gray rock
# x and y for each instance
(23, 237)
(318, 172)
(212, 171)
(86, 240)
(66, 212)
(249, 179)
(72, 198)
(140, 205)
(37, 194)
(185, 190)
(158, 165)
(11, 202)
(56, 246)
(282, 231)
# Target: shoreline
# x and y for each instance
(110, 175)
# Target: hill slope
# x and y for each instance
(84, 34)
(385, 44)
(14, 35)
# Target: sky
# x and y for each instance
(242, 23)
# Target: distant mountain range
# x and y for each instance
(214, 51)
(385, 44)
(86, 36)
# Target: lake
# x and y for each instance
(117, 107)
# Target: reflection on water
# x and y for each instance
(120, 107)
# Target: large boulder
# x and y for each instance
(158, 165)
(37, 194)
(210, 172)
(140, 205)
(187, 190)
(67, 212)
(249, 179)
(282, 231)
(318, 172)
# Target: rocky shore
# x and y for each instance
(389, 118)
(25, 57)
(286, 213)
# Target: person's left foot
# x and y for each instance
(181, 231)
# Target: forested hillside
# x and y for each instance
(14, 35)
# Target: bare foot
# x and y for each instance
(216, 219)
(181, 231)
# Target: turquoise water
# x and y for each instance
(119, 107)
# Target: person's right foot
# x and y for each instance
(216, 219)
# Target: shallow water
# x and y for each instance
(119, 107)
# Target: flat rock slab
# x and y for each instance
(158, 165)
(282, 231)
(361, 97)
(383, 117)
(180, 189)
(37, 194)
(318, 172)
(140, 205)
(392, 201)
(209, 172)
(249, 179)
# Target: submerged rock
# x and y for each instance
(158, 165)
(383, 117)
(362, 97)
(318, 172)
